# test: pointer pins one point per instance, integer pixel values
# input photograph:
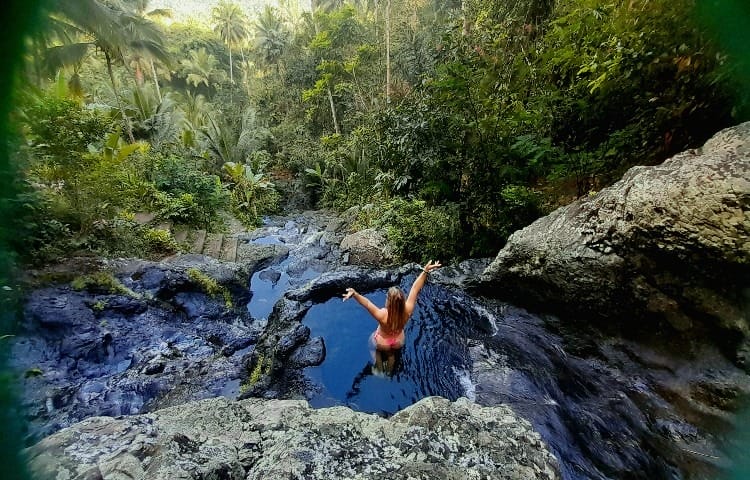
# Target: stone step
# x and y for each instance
(180, 236)
(142, 218)
(212, 248)
(199, 240)
(229, 249)
(165, 226)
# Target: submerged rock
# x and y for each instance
(669, 242)
(259, 439)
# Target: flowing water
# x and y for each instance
(607, 407)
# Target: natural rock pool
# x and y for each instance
(434, 360)
(615, 409)
(608, 406)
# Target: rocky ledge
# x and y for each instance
(668, 244)
(260, 439)
(135, 337)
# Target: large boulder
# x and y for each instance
(368, 247)
(669, 242)
(260, 439)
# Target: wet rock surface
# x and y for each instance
(368, 247)
(263, 439)
(666, 245)
(86, 353)
(607, 407)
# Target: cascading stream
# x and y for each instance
(608, 412)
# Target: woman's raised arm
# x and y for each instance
(378, 313)
(411, 300)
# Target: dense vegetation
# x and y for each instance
(449, 124)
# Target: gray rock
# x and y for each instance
(332, 284)
(310, 354)
(263, 439)
(292, 340)
(198, 305)
(165, 279)
(140, 353)
(271, 276)
(669, 242)
(368, 247)
(258, 256)
(58, 308)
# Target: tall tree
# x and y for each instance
(230, 22)
(388, 51)
(202, 67)
(140, 7)
(271, 37)
(110, 30)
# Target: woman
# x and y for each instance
(392, 319)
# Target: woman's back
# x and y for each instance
(392, 319)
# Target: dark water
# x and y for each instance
(430, 363)
(268, 285)
(607, 407)
(610, 413)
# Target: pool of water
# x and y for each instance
(599, 421)
(433, 361)
(601, 413)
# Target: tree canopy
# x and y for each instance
(475, 116)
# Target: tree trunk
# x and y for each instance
(156, 79)
(467, 24)
(231, 71)
(333, 112)
(125, 118)
(138, 75)
(388, 52)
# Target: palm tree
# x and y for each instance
(194, 108)
(140, 7)
(232, 142)
(271, 38)
(202, 67)
(230, 22)
(110, 30)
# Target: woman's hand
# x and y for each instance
(348, 294)
(432, 266)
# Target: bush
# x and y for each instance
(160, 241)
(187, 195)
(101, 282)
(60, 130)
(252, 193)
(420, 233)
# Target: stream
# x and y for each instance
(607, 406)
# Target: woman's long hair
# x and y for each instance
(395, 304)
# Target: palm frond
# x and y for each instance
(65, 55)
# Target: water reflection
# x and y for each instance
(601, 404)
(356, 374)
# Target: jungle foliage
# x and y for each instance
(448, 124)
